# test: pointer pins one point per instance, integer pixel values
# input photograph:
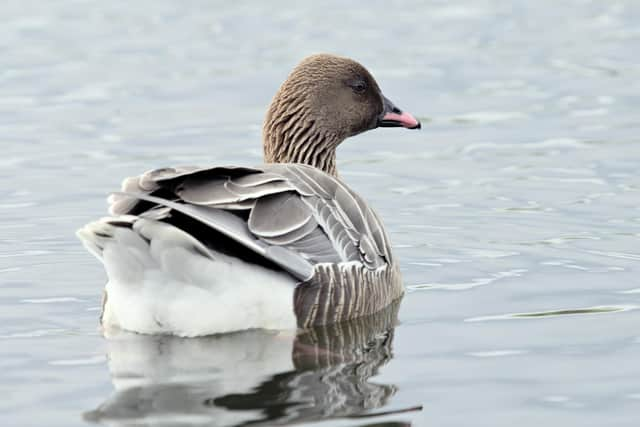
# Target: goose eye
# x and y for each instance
(359, 86)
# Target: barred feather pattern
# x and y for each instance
(292, 132)
(299, 140)
(339, 292)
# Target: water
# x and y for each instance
(515, 211)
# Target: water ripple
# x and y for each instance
(497, 353)
(53, 300)
(91, 360)
(619, 255)
(469, 285)
(554, 313)
(487, 117)
(518, 147)
(33, 334)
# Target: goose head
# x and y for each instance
(325, 100)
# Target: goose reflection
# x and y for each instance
(250, 378)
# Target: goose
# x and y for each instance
(192, 251)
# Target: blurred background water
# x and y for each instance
(515, 212)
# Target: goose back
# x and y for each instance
(291, 217)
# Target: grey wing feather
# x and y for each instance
(233, 227)
(297, 215)
(279, 214)
(341, 213)
(222, 190)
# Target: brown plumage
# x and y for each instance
(292, 216)
(325, 100)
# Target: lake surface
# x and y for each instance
(515, 212)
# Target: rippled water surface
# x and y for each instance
(515, 211)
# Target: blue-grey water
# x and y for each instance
(515, 212)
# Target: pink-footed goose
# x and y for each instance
(196, 251)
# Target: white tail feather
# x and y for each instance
(162, 280)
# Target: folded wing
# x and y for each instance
(294, 216)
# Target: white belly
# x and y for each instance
(211, 297)
(164, 281)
